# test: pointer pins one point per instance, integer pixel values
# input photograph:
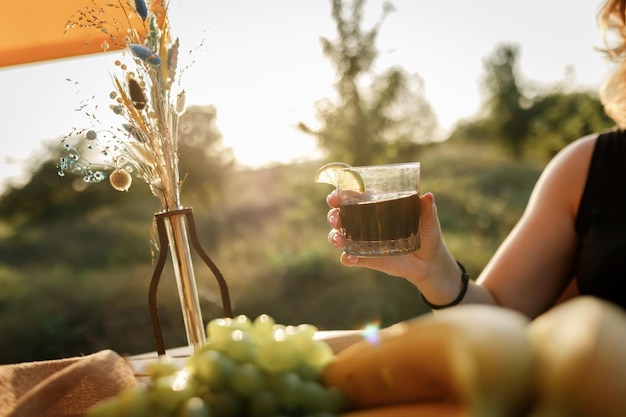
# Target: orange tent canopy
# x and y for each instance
(35, 30)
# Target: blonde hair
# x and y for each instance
(612, 22)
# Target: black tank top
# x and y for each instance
(601, 222)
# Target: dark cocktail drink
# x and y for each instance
(379, 206)
(385, 225)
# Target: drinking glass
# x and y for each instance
(383, 217)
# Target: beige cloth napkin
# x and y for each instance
(64, 387)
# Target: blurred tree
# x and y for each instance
(204, 162)
(506, 104)
(529, 120)
(380, 122)
(558, 118)
(478, 131)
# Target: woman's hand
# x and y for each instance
(432, 256)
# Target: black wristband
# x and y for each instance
(464, 282)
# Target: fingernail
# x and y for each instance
(328, 199)
(353, 259)
(332, 219)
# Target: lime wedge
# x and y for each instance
(333, 174)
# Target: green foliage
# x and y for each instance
(558, 118)
(53, 218)
(54, 311)
(268, 236)
(508, 114)
(475, 131)
(530, 122)
(383, 121)
(204, 162)
(480, 195)
(308, 288)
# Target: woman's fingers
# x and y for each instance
(430, 230)
(392, 265)
(351, 260)
(405, 265)
(335, 238)
(333, 218)
(332, 199)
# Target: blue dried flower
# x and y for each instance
(145, 54)
(93, 177)
(154, 59)
(141, 8)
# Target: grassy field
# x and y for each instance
(267, 236)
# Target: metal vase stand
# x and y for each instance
(164, 243)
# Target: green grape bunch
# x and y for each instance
(247, 368)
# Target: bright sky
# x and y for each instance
(262, 66)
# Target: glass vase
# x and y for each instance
(180, 251)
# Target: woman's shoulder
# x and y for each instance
(563, 180)
(581, 148)
(579, 154)
(573, 158)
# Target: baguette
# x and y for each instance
(476, 357)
